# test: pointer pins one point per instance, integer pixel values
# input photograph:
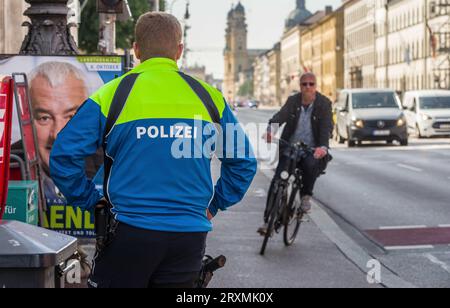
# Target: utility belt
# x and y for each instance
(105, 225)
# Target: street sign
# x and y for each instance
(6, 100)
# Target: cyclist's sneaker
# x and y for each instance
(306, 204)
(263, 229)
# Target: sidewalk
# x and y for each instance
(313, 261)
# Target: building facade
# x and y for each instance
(261, 79)
(290, 62)
(290, 49)
(323, 50)
(11, 31)
(274, 56)
(238, 59)
(359, 42)
(412, 45)
(236, 53)
(197, 71)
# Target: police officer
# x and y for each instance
(159, 187)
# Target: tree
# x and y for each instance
(89, 28)
(246, 89)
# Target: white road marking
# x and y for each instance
(436, 261)
(357, 163)
(402, 227)
(416, 148)
(350, 248)
(418, 247)
(409, 167)
(259, 193)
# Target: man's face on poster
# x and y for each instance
(53, 107)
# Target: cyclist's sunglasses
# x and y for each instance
(306, 84)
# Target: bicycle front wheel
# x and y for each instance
(272, 218)
(293, 218)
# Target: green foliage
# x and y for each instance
(246, 89)
(89, 28)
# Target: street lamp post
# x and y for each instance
(154, 5)
(48, 31)
(186, 17)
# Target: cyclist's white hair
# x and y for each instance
(308, 74)
(56, 73)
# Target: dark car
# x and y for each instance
(240, 104)
(253, 104)
(370, 115)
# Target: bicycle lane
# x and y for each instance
(314, 261)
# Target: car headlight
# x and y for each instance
(426, 117)
(359, 123)
(401, 122)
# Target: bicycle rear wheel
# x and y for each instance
(292, 219)
(272, 219)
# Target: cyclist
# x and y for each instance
(308, 119)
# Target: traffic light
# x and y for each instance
(110, 6)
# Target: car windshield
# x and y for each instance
(442, 102)
(374, 100)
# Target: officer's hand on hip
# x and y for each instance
(101, 204)
(209, 215)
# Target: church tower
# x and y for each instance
(235, 54)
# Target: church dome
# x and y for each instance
(297, 16)
(239, 8)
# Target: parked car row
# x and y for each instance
(428, 113)
(251, 103)
(378, 115)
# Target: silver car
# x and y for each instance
(370, 115)
(428, 112)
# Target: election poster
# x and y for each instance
(57, 87)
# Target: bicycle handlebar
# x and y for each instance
(209, 266)
(298, 145)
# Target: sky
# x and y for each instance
(206, 38)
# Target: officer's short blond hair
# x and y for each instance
(158, 34)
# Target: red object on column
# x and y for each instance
(6, 105)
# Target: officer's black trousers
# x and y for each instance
(139, 258)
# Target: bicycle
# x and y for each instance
(284, 210)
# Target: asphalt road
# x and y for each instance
(395, 201)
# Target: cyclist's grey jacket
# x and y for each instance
(321, 119)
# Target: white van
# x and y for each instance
(428, 112)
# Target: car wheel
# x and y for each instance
(339, 138)
(350, 143)
(418, 133)
(404, 142)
